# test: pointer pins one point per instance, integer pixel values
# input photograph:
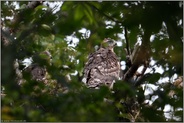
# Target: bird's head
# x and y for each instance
(109, 43)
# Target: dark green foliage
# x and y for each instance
(62, 96)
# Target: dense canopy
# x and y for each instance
(45, 45)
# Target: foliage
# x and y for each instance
(37, 27)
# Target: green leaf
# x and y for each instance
(46, 27)
(78, 12)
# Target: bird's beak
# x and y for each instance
(105, 40)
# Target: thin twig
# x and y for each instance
(109, 17)
(127, 41)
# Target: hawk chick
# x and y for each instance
(103, 66)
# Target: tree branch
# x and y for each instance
(8, 34)
(139, 56)
(109, 17)
(127, 41)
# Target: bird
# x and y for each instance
(102, 67)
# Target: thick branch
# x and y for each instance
(139, 56)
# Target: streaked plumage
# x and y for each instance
(102, 67)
